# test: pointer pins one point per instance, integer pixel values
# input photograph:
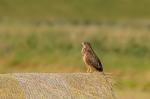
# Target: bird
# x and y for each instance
(90, 58)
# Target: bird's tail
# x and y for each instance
(100, 69)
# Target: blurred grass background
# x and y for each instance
(46, 36)
(75, 9)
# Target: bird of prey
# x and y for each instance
(90, 58)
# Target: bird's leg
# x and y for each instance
(88, 70)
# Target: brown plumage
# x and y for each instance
(90, 58)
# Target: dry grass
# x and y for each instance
(56, 86)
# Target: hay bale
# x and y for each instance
(55, 86)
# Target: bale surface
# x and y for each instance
(55, 86)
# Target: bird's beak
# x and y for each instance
(82, 44)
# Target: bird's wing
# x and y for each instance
(95, 62)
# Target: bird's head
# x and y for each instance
(86, 45)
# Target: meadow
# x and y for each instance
(74, 10)
(121, 46)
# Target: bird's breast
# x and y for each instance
(85, 59)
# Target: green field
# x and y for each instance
(74, 10)
(29, 44)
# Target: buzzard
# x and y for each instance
(90, 58)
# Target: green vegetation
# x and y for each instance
(74, 9)
(29, 45)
